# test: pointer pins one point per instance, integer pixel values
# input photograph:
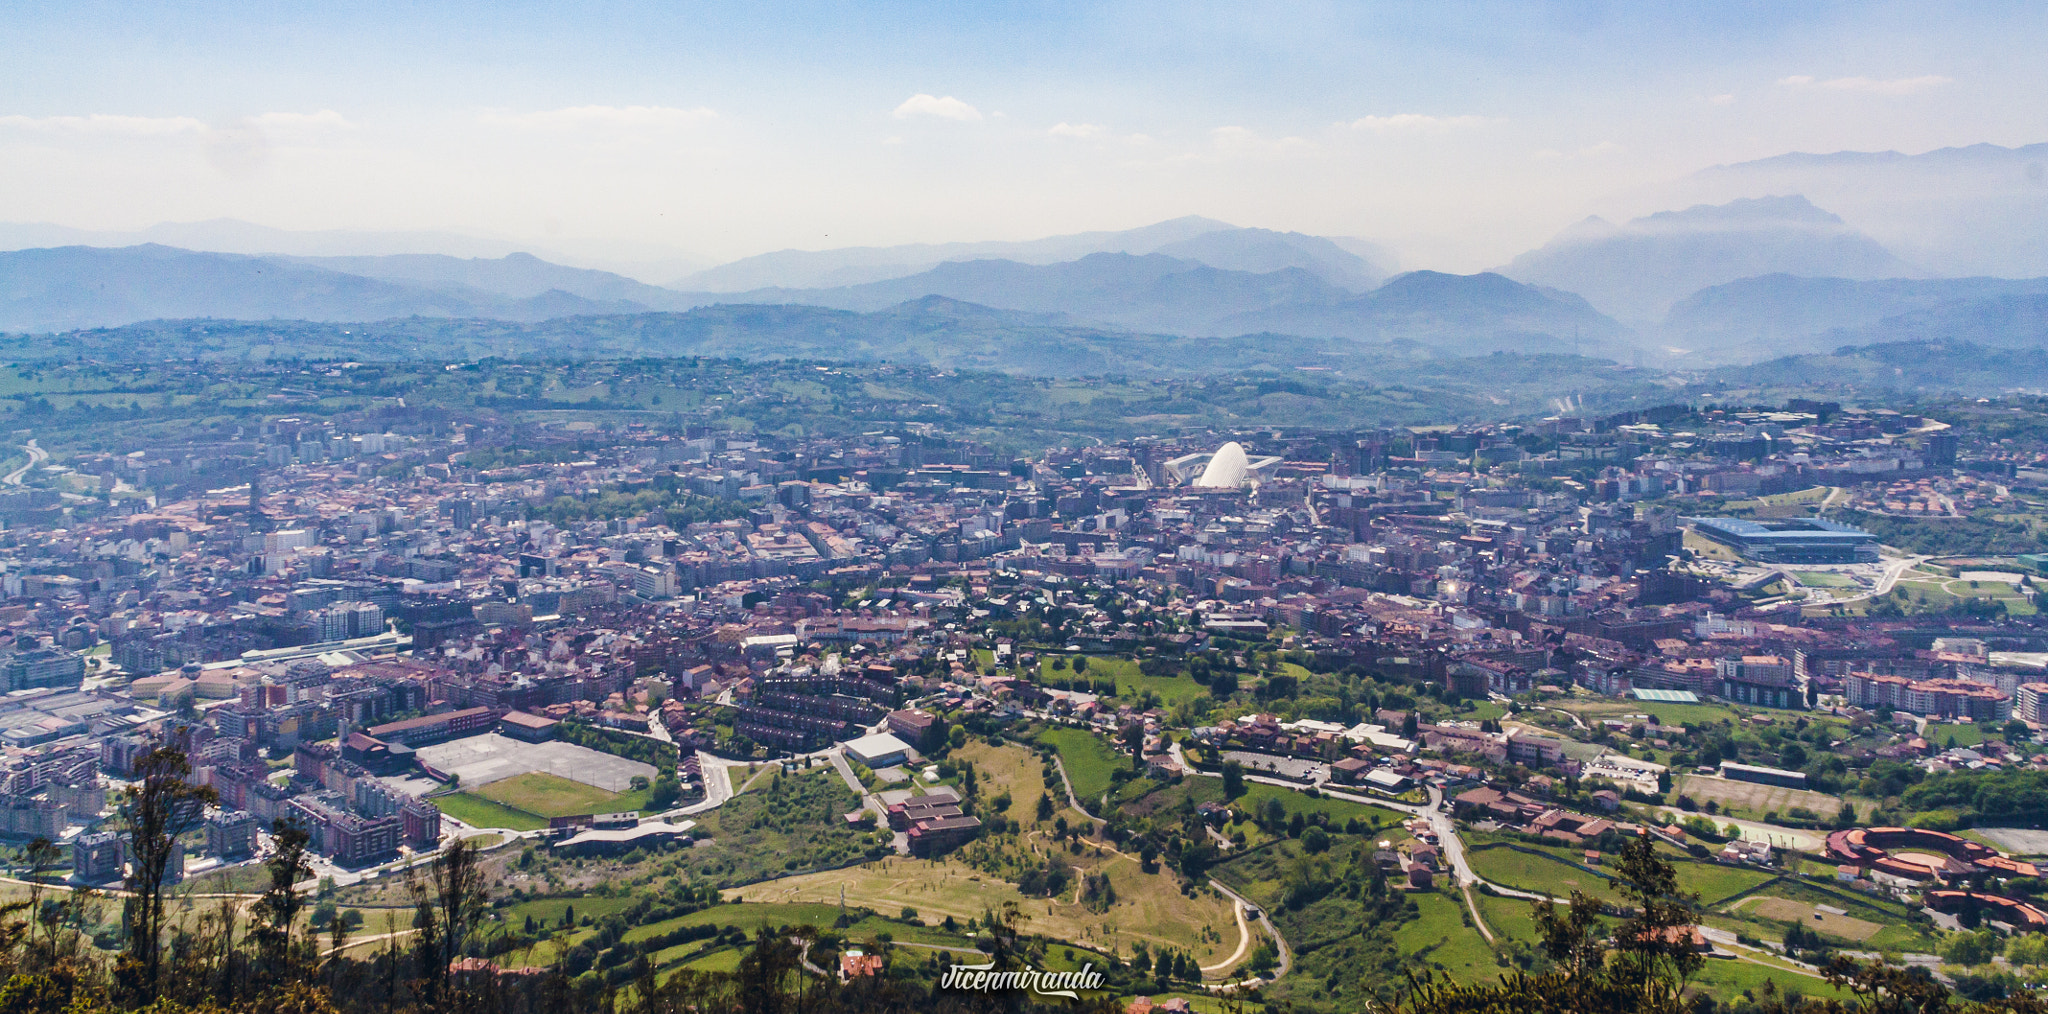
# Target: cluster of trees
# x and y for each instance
(1166, 964)
(1987, 797)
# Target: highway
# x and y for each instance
(36, 456)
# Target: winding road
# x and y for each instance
(36, 456)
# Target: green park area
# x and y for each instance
(1088, 759)
(524, 802)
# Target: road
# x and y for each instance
(36, 456)
(1286, 962)
(1244, 941)
(871, 801)
(717, 785)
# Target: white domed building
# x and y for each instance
(1227, 467)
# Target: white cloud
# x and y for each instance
(104, 123)
(1413, 123)
(1869, 85)
(1064, 129)
(1242, 142)
(612, 117)
(325, 119)
(1721, 100)
(947, 108)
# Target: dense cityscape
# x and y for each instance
(1119, 507)
(1792, 645)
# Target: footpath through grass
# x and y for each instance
(1088, 759)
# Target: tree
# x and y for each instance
(1315, 840)
(1080, 663)
(278, 960)
(2027, 949)
(159, 807)
(1233, 779)
(1846, 816)
(1134, 741)
(1654, 946)
(1968, 948)
(667, 788)
(1409, 725)
(1044, 806)
(446, 907)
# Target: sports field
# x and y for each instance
(546, 795)
(524, 802)
(476, 811)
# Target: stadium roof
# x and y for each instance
(1782, 530)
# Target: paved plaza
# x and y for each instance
(481, 760)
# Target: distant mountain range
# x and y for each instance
(1958, 212)
(1353, 264)
(1637, 270)
(1751, 279)
(69, 288)
(1758, 318)
(63, 288)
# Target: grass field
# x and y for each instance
(1017, 771)
(1964, 735)
(1786, 910)
(1714, 882)
(1511, 918)
(1710, 549)
(1339, 810)
(253, 878)
(1541, 873)
(1088, 759)
(1725, 979)
(546, 795)
(1667, 714)
(1920, 589)
(1897, 932)
(549, 910)
(1551, 871)
(1754, 800)
(1130, 682)
(477, 811)
(1823, 579)
(1441, 938)
(1149, 907)
(750, 915)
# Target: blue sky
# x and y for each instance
(1458, 133)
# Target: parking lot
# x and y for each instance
(481, 760)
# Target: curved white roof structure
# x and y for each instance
(1226, 469)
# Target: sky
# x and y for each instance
(1459, 134)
